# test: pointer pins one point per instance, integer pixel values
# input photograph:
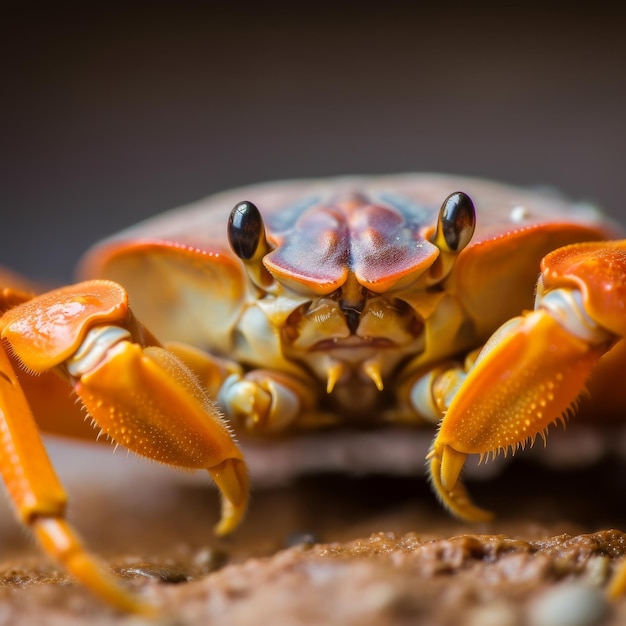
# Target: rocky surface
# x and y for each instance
(332, 550)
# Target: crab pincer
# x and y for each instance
(534, 367)
(140, 395)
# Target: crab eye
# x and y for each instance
(245, 230)
(457, 220)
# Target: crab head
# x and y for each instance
(350, 283)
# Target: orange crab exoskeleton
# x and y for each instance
(534, 367)
(353, 301)
(140, 395)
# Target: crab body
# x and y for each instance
(353, 282)
(353, 302)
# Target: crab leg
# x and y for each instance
(140, 395)
(39, 497)
(533, 368)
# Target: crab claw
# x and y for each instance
(527, 376)
(142, 396)
(147, 400)
(445, 465)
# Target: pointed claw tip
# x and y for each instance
(231, 477)
(452, 462)
(445, 465)
(227, 524)
(231, 517)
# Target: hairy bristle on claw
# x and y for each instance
(492, 455)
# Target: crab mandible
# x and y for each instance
(356, 301)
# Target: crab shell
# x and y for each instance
(328, 237)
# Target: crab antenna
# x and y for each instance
(246, 235)
(455, 227)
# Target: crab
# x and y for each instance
(355, 302)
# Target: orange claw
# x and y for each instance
(531, 371)
(148, 401)
(527, 377)
(141, 395)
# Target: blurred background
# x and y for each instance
(116, 111)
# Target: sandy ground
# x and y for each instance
(330, 549)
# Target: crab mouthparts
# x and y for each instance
(353, 342)
(364, 341)
(327, 325)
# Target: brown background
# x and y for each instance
(120, 110)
